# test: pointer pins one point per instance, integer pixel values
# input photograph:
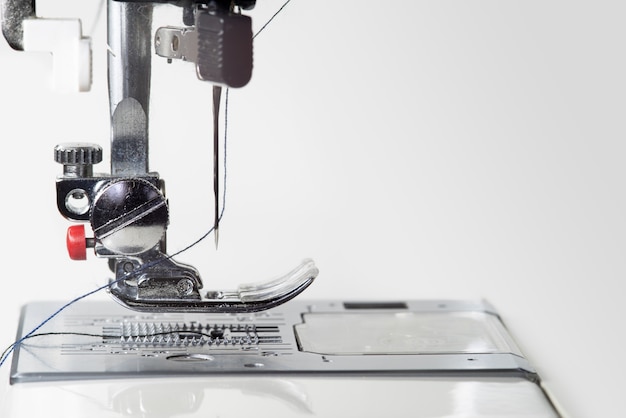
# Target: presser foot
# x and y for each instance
(173, 287)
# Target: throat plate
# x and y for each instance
(103, 340)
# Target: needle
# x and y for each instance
(217, 93)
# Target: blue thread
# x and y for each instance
(271, 18)
(48, 319)
(11, 348)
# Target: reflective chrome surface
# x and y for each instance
(130, 216)
(129, 71)
(161, 365)
(127, 209)
(472, 341)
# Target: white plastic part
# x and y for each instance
(71, 52)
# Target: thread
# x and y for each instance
(271, 19)
(7, 352)
(105, 336)
(33, 333)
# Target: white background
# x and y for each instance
(413, 149)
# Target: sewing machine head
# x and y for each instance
(127, 209)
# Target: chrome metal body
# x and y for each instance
(129, 61)
(324, 337)
(127, 208)
(423, 358)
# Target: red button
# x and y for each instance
(76, 242)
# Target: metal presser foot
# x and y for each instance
(127, 209)
(129, 218)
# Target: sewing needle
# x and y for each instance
(217, 93)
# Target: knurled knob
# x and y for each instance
(78, 158)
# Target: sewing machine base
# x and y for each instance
(439, 346)
(96, 340)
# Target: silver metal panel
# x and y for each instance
(102, 340)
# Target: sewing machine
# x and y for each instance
(127, 209)
(170, 347)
